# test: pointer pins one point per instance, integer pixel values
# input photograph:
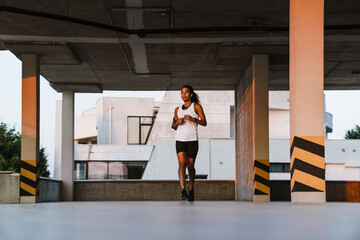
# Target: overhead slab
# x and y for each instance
(91, 46)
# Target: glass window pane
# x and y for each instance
(97, 170)
(135, 170)
(80, 171)
(146, 120)
(287, 167)
(276, 167)
(133, 130)
(117, 170)
(145, 130)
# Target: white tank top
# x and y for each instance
(187, 131)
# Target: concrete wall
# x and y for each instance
(347, 191)
(244, 140)
(112, 152)
(216, 159)
(58, 137)
(279, 118)
(9, 187)
(121, 109)
(85, 126)
(342, 172)
(163, 164)
(222, 159)
(49, 190)
(216, 105)
(279, 150)
(279, 124)
(150, 190)
(343, 151)
(279, 100)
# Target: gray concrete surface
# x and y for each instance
(155, 190)
(67, 146)
(89, 59)
(49, 190)
(180, 220)
(9, 187)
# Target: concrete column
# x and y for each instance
(29, 166)
(252, 132)
(307, 161)
(58, 132)
(67, 146)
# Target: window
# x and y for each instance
(91, 140)
(109, 169)
(139, 129)
(279, 167)
(80, 171)
(97, 170)
(117, 170)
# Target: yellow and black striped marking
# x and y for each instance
(29, 178)
(307, 164)
(261, 177)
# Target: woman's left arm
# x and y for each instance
(199, 111)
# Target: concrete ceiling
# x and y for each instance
(207, 44)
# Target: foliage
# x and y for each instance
(10, 152)
(353, 133)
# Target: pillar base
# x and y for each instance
(29, 199)
(313, 197)
(261, 198)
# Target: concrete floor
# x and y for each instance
(179, 220)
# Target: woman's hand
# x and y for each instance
(177, 121)
(187, 117)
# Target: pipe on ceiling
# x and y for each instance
(143, 32)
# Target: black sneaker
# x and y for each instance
(191, 195)
(184, 195)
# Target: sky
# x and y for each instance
(342, 104)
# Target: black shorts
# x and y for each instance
(191, 148)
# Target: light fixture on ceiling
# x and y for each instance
(162, 11)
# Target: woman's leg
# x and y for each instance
(192, 150)
(182, 168)
(191, 168)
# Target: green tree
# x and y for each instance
(353, 133)
(10, 150)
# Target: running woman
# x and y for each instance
(185, 122)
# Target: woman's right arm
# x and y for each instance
(176, 121)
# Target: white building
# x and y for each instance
(131, 138)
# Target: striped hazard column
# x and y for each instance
(261, 180)
(307, 164)
(30, 111)
(29, 178)
(306, 90)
